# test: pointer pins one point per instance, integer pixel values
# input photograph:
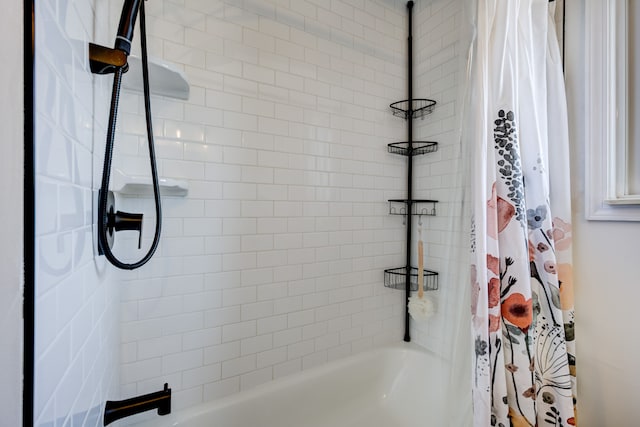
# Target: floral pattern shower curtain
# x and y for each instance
(521, 277)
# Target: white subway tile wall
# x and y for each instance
(77, 335)
(275, 259)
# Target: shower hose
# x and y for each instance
(103, 215)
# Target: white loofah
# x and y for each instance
(421, 308)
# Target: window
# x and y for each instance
(613, 110)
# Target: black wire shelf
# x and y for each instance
(418, 207)
(397, 277)
(417, 148)
(419, 108)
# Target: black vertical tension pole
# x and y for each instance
(407, 336)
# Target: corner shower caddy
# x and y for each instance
(407, 277)
(397, 278)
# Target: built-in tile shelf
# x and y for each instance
(164, 78)
(138, 185)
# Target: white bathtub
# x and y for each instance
(388, 387)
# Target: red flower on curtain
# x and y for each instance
(494, 323)
(518, 311)
(499, 214)
(494, 292)
(493, 264)
(561, 234)
(532, 251)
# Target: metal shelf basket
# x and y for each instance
(417, 148)
(418, 207)
(420, 108)
(396, 278)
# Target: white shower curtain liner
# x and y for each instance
(522, 290)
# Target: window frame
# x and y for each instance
(606, 172)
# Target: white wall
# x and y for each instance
(76, 342)
(607, 276)
(11, 180)
(274, 262)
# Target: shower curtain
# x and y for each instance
(521, 277)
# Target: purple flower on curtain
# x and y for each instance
(530, 392)
(535, 217)
(550, 267)
(481, 347)
(542, 247)
(548, 398)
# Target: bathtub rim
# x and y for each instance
(277, 384)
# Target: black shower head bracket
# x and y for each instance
(106, 60)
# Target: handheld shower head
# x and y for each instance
(127, 24)
(104, 60)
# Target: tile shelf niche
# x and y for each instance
(137, 185)
(165, 78)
